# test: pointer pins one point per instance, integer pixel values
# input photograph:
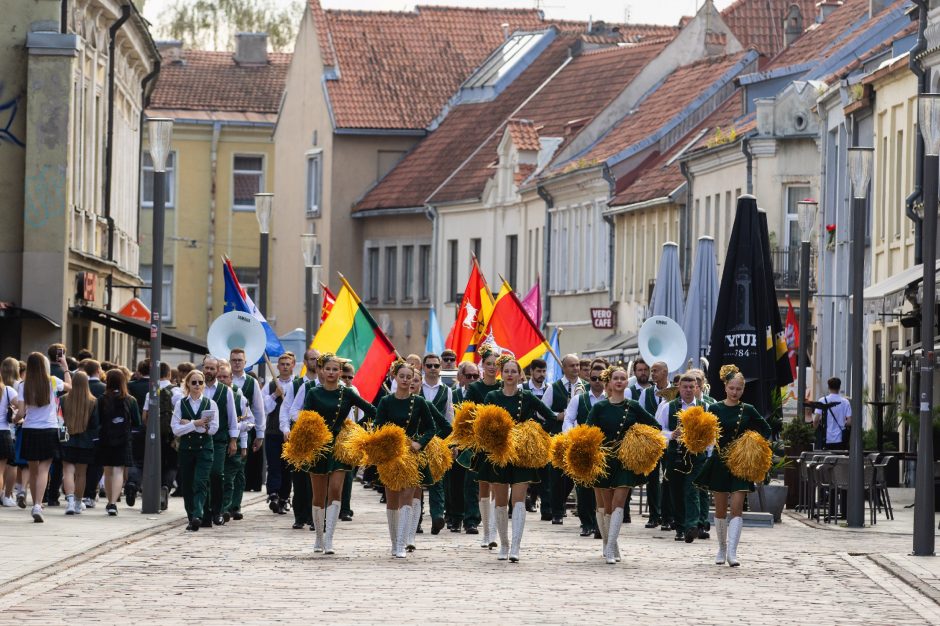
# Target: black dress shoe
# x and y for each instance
(703, 534)
(366, 484)
(665, 527)
(436, 525)
(298, 525)
(419, 531)
(345, 517)
(130, 494)
(691, 534)
(547, 518)
(455, 528)
(273, 504)
(586, 532)
(472, 530)
(206, 522)
(226, 517)
(237, 516)
(679, 536)
(652, 523)
(557, 521)
(193, 525)
(176, 494)
(382, 500)
(597, 533)
(626, 516)
(218, 520)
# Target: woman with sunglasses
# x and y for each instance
(511, 482)
(476, 392)
(195, 420)
(333, 402)
(614, 416)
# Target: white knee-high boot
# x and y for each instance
(492, 544)
(721, 527)
(404, 522)
(318, 520)
(392, 515)
(614, 521)
(735, 524)
(332, 515)
(518, 525)
(502, 525)
(413, 524)
(602, 520)
(485, 522)
(616, 542)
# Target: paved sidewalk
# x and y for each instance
(259, 570)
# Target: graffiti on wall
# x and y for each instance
(8, 111)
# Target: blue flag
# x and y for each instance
(435, 343)
(237, 299)
(553, 372)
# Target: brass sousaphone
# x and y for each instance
(662, 339)
(236, 330)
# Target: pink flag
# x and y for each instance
(532, 303)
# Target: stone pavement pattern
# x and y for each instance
(260, 570)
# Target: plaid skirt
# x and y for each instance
(39, 444)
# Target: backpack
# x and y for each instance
(115, 422)
(166, 414)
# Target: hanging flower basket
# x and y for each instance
(831, 237)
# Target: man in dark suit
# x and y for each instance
(555, 485)
(92, 369)
(139, 387)
(55, 474)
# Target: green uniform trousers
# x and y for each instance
(587, 507)
(654, 494)
(194, 468)
(685, 495)
(471, 500)
(216, 480)
(302, 502)
(436, 498)
(345, 507)
(233, 485)
(454, 493)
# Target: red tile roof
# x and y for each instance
(564, 106)
(213, 81)
(759, 23)
(525, 134)
(397, 70)
(660, 178)
(661, 106)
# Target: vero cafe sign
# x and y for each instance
(602, 317)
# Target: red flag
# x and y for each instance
(792, 333)
(474, 313)
(328, 300)
(511, 328)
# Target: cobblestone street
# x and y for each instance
(259, 570)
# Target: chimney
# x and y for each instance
(826, 7)
(171, 50)
(792, 25)
(505, 27)
(876, 6)
(251, 48)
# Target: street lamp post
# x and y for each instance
(860, 165)
(308, 245)
(264, 203)
(160, 131)
(929, 124)
(806, 213)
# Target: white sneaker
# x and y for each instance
(70, 505)
(7, 501)
(37, 514)
(79, 507)
(88, 502)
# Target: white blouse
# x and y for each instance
(7, 397)
(43, 416)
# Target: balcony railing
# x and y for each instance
(786, 265)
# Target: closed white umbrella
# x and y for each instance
(701, 301)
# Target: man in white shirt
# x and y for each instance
(577, 412)
(647, 395)
(168, 455)
(836, 418)
(442, 398)
(463, 488)
(303, 493)
(225, 440)
(276, 394)
(538, 369)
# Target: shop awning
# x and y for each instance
(8, 310)
(139, 329)
(620, 344)
(889, 293)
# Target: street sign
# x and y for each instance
(602, 318)
(136, 309)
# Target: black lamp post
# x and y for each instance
(806, 213)
(264, 203)
(308, 244)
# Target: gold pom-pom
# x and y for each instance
(641, 448)
(438, 458)
(400, 473)
(699, 429)
(586, 458)
(531, 445)
(308, 440)
(492, 430)
(462, 434)
(559, 449)
(345, 449)
(749, 457)
(382, 445)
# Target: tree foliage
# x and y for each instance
(212, 24)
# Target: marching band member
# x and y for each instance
(224, 441)
(536, 373)
(333, 402)
(413, 414)
(577, 413)
(614, 415)
(195, 421)
(734, 418)
(555, 485)
(250, 388)
(234, 474)
(703, 496)
(355, 414)
(509, 483)
(463, 489)
(276, 394)
(303, 496)
(441, 398)
(477, 392)
(646, 393)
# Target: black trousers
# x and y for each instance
(302, 503)
(561, 489)
(454, 505)
(253, 466)
(278, 480)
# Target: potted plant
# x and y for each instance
(771, 498)
(797, 436)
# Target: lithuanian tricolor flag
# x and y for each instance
(511, 328)
(351, 333)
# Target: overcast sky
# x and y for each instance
(637, 11)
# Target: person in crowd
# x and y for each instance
(234, 469)
(37, 403)
(16, 478)
(356, 415)
(276, 394)
(168, 395)
(94, 470)
(8, 396)
(247, 384)
(441, 398)
(734, 418)
(80, 413)
(577, 413)
(465, 511)
(834, 421)
(55, 369)
(555, 485)
(302, 503)
(225, 439)
(117, 415)
(84, 354)
(535, 374)
(195, 420)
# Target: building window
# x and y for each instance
(512, 259)
(424, 273)
(407, 273)
(146, 274)
(249, 277)
(452, 270)
(247, 180)
(314, 180)
(372, 274)
(475, 246)
(794, 195)
(391, 273)
(146, 188)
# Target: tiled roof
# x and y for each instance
(661, 177)
(397, 70)
(525, 134)
(661, 106)
(573, 97)
(465, 128)
(213, 81)
(759, 23)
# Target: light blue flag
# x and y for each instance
(553, 372)
(435, 343)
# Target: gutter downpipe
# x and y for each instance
(685, 220)
(64, 17)
(917, 193)
(213, 200)
(611, 236)
(431, 213)
(546, 250)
